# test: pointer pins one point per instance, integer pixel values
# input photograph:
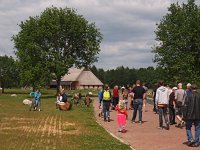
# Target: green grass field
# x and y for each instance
(51, 91)
(21, 129)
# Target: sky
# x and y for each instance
(127, 26)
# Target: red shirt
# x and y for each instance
(115, 93)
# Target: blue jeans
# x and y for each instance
(162, 113)
(106, 111)
(197, 130)
(35, 104)
(137, 106)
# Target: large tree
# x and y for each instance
(49, 44)
(178, 38)
(9, 72)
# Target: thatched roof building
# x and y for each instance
(78, 79)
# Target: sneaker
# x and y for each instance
(39, 110)
(132, 121)
(108, 119)
(182, 124)
(195, 145)
(167, 126)
(160, 127)
(140, 122)
(178, 125)
(190, 143)
(124, 131)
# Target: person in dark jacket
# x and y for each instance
(172, 106)
(139, 95)
(191, 114)
(64, 96)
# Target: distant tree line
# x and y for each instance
(127, 76)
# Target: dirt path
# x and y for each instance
(145, 136)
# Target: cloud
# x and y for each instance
(127, 25)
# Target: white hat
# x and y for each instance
(174, 88)
(189, 84)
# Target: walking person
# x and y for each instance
(172, 106)
(145, 99)
(139, 94)
(36, 100)
(100, 103)
(192, 116)
(122, 88)
(115, 97)
(106, 97)
(154, 97)
(125, 99)
(162, 101)
(180, 95)
(189, 89)
(121, 116)
(131, 96)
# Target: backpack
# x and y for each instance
(106, 95)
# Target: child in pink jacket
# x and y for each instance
(121, 116)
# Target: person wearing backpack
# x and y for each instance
(106, 97)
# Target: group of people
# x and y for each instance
(169, 103)
(182, 104)
(62, 102)
(108, 99)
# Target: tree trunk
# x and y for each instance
(58, 85)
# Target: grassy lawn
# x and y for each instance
(51, 91)
(50, 128)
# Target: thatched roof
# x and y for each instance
(72, 75)
(83, 76)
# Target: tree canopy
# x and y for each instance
(178, 38)
(8, 72)
(51, 43)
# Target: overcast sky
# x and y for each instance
(127, 26)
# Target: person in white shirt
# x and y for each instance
(162, 101)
